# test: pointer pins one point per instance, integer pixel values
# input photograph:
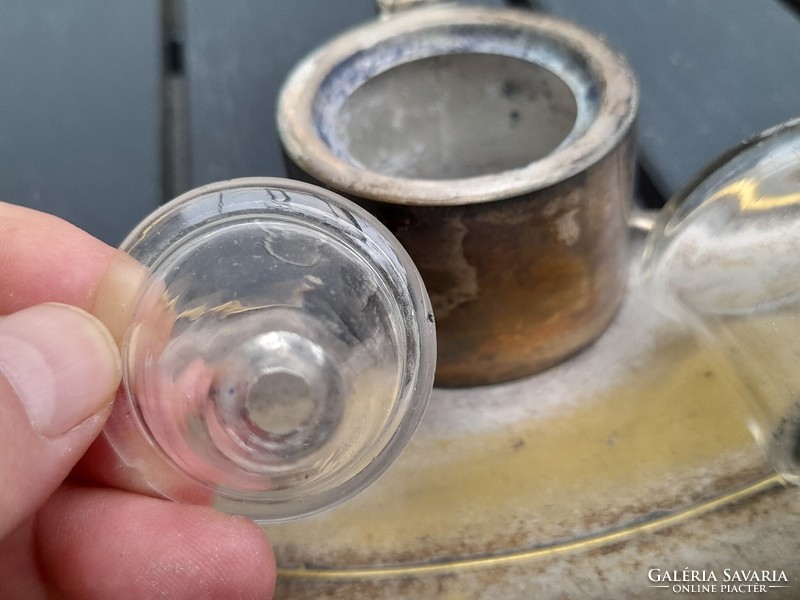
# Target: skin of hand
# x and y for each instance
(63, 535)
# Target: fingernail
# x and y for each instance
(61, 362)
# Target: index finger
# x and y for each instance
(45, 259)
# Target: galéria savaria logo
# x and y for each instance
(717, 581)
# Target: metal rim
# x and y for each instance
(306, 148)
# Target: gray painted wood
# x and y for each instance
(712, 72)
(80, 110)
(238, 53)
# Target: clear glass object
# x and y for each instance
(723, 258)
(574, 469)
(280, 351)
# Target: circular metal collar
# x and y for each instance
(602, 82)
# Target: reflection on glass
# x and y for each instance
(725, 258)
(280, 352)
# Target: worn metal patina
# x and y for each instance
(497, 145)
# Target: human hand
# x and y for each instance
(62, 536)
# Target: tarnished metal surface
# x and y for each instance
(498, 147)
(518, 285)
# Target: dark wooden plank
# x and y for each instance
(238, 53)
(711, 72)
(80, 110)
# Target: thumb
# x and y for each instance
(59, 369)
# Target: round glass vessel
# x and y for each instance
(723, 259)
(280, 353)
